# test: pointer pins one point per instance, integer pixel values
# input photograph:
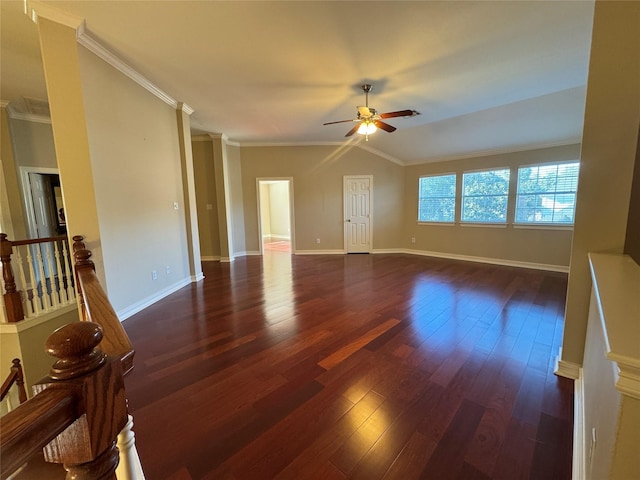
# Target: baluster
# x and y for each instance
(46, 298)
(12, 301)
(70, 285)
(34, 288)
(52, 277)
(62, 291)
(17, 368)
(25, 292)
(129, 467)
(82, 260)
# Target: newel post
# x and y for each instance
(12, 300)
(87, 448)
(82, 260)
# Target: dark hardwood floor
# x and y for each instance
(359, 366)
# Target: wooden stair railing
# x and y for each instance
(95, 307)
(79, 409)
(15, 376)
(50, 265)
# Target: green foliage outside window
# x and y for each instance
(485, 196)
(437, 198)
(547, 193)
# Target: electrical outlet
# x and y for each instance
(175, 205)
(154, 274)
(317, 240)
(168, 269)
(413, 239)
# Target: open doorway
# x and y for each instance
(42, 196)
(275, 214)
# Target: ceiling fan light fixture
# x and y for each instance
(367, 128)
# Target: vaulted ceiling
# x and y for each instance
(486, 76)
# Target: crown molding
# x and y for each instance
(227, 141)
(13, 114)
(85, 39)
(185, 108)
(35, 10)
(498, 151)
(28, 117)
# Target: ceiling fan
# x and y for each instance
(369, 120)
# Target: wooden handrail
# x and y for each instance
(30, 427)
(15, 376)
(78, 410)
(97, 308)
(33, 241)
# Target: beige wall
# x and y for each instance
(532, 245)
(33, 144)
(279, 209)
(237, 207)
(13, 216)
(265, 210)
(135, 158)
(612, 115)
(28, 345)
(205, 182)
(317, 174)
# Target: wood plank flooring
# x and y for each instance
(359, 366)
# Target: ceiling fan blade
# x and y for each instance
(399, 113)
(385, 126)
(353, 130)
(339, 121)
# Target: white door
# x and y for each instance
(357, 213)
(44, 211)
(42, 197)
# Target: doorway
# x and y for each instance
(43, 202)
(275, 214)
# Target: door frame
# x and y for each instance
(345, 212)
(292, 225)
(26, 194)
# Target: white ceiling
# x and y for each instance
(486, 76)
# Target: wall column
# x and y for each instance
(609, 141)
(64, 89)
(222, 193)
(189, 192)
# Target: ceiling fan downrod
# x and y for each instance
(366, 88)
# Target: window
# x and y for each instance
(547, 193)
(437, 198)
(485, 195)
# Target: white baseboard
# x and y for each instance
(279, 237)
(247, 254)
(493, 261)
(197, 277)
(151, 299)
(567, 369)
(578, 467)
(210, 259)
(424, 253)
(319, 252)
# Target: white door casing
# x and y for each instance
(358, 213)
